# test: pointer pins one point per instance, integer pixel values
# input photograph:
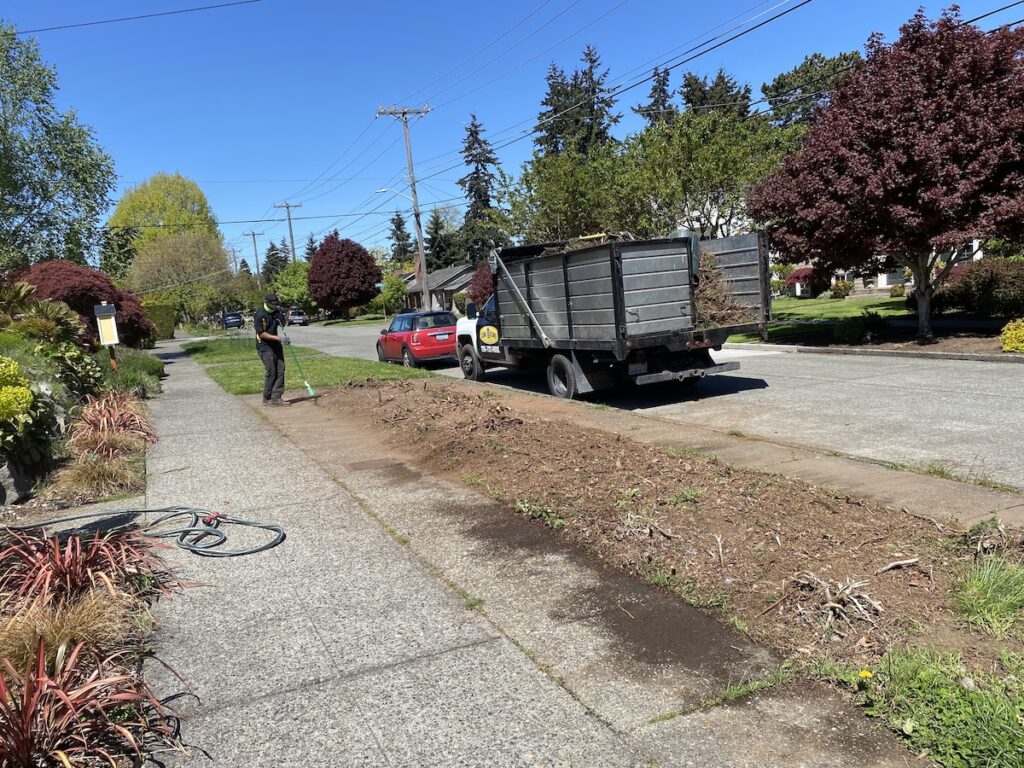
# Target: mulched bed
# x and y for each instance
(761, 549)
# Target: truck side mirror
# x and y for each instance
(471, 312)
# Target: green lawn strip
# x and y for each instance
(247, 378)
(783, 331)
(961, 717)
(232, 351)
(836, 309)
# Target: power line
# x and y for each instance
(136, 18)
(468, 59)
(735, 27)
(510, 48)
(623, 89)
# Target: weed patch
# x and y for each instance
(545, 515)
(991, 595)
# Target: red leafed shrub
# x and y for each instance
(808, 276)
(38, 567)
(82, 288)
(481, 286)
(86, 709)
(342, 274)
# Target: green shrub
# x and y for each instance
(961, 718)
(987, 288)
(28, 421)
(897, 291)
(874, 322)
(79, 372)
(841, 289)
(851, 330)
(459, 300)
(36, 328)
(163, 316)
(1012, 336)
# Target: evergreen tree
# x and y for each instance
(285, 249)
(597, 112)
(310, 247)
(552, 126)
(401, 242)
(478, 184)
(793, 95)
(440, 239)
(243, 268)
(723, 94)
(659, 109)
(578, 112)
(275, 259)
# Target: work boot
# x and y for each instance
(275, 402)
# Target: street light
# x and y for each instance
(425, 285)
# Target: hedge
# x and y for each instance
(163, 316)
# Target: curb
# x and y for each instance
(981, 358)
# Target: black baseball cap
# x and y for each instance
(271, 298)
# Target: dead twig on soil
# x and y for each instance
(938, 526)
(841, 602)
(663, 532)
(897, 564)
(721, 556)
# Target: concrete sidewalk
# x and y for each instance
(339, 647)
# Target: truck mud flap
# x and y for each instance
(692, 373)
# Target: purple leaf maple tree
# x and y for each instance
(919, 152)
(342, 274)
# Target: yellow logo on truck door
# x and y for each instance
(488, 335)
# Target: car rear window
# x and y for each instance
(440, 320)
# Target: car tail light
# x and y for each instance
(415, 339)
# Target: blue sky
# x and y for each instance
(254, 102)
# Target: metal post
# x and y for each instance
(288, 209)
(255, 253)
(402, 113)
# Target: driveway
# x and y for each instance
(963, 415)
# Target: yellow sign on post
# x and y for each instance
(106, 323)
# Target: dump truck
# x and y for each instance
(600, 312)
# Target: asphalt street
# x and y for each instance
(965, 416)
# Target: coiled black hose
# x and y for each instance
(201, 534)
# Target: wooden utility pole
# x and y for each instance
(255, 253)
(234, 258)
(402, 113)
(288, 209)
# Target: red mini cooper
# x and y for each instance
(416, 337)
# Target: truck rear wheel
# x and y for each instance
(562, 377)
(472, 366)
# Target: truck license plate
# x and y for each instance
(635, 369)
(442, 337)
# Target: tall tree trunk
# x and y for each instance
(923, 290)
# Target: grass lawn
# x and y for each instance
(835, 309)
(357, 323)
(233, 364)
(794, 317)
(232, 351)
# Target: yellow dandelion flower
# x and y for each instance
(866, 674)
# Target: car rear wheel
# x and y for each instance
(408, 359)
(562, 377)
(380, 354)
(471, 364)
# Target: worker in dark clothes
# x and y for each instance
(270, 344)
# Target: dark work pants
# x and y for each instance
(273, 371)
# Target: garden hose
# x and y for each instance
(201, 534)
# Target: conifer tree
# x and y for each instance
(243, 267)
(310, 247)
(723, 94)
(659, 109)
(440, 242)
(401, 242)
